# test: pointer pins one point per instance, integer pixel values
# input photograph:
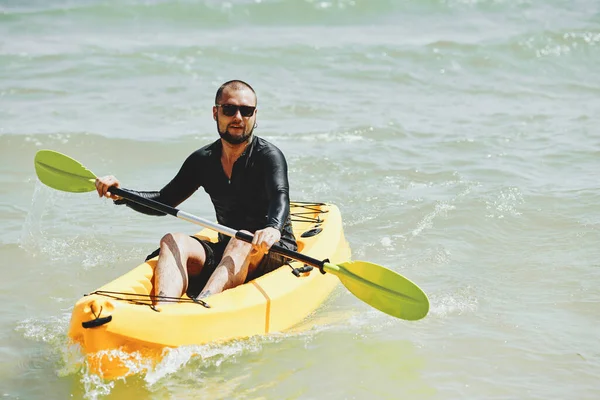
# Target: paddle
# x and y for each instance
(374, 284)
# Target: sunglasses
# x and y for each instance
(230, 110)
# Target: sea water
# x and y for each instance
(459, 138)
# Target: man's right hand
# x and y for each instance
(104, 183)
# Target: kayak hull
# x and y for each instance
(117, 329)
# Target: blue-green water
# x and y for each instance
(459, 139)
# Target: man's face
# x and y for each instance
(235, 121)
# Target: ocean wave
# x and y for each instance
(215, 13)
(209, 12)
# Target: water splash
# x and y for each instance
(41, 238)
(94, 386)
(460, 302)
(52, 330)
(49, 330)
(505, 204)
(556, 44)
(427, 221)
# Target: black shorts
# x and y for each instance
(214, 252)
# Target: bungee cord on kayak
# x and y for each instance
(143, 299)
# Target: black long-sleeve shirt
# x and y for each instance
(256, 196)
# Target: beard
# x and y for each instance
(231, 139)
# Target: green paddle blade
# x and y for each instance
(382, 288)
(61, 172)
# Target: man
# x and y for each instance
(246, 179)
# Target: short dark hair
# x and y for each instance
(235, 85)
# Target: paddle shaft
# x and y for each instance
(155, 205)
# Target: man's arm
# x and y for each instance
(181, 187)
(278, 189)
(277, 185)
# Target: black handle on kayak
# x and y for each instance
(126, 194)
(96, 322)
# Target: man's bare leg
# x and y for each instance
(239, 259)
(179, 257)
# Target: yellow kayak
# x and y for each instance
(117, 324)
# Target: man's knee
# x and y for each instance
(172, 238)
(174, 244)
